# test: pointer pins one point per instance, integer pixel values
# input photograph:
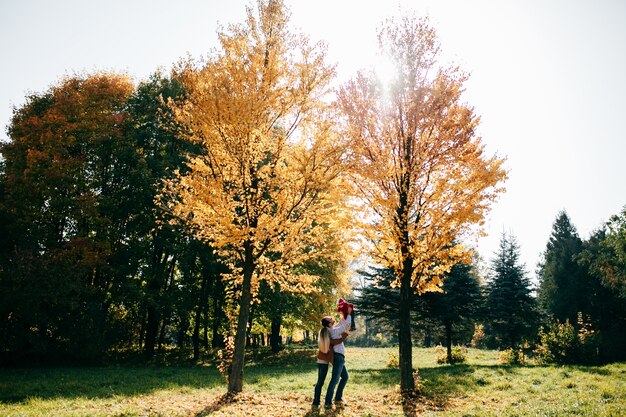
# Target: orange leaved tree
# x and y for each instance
(266, 190)
(420, 174)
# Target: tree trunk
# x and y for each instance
(448, 326)
(249, 335)
(235, 379)
(154, 286)
(161, 338)
(219, 317)
(404, 336)
(407, 383)
(152, 329)
(196, 326)
(275, 339)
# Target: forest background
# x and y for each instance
(95, 265)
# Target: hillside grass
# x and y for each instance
(282, 385)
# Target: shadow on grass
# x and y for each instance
(217, 404)
(17, 385)
(439, 384)
(337, 411)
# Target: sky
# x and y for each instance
(548, 78)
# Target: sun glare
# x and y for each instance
(384, 70)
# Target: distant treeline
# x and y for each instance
(577, 314)
(90, 261)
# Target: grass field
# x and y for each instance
(282, 385)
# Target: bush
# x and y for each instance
(393, 361)
(560, 343)
(512, 357)
(479, 340)
(459, 354)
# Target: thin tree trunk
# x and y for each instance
(155, 283)
(448, 327)
(164, 324)
(152, 329)
(249, 335)
(235, 380)
(275, 339)
(404, 336)
(196, 327)
(217, 340)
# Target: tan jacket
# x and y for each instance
(329, 356)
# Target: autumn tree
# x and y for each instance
(64, 187)
(420, 172)
(269, 178)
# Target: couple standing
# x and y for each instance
(332, 350)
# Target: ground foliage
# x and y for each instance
(282, 385)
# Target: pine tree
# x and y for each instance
(511, 309)
(563, 282)
(378, 300)
(458, 304)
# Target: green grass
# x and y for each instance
(281, 385)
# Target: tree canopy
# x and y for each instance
(267, 187)
(420, 174)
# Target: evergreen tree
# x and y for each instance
(564, 284)
(607, 305)
(457, 306)
(511, 309)
(378, 301)
(436, 316)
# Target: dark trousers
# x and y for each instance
(322, 370)
(339, 375)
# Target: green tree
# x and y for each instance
(458, 305)
(154, 243)
(378, 299)
(63, 179)
(511, 310)
(610, 263)
(563, 283)
(607, 306)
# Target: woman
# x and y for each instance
(340, 372)
(324, 355)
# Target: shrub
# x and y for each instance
(512, 357)
(393, 361)
(560, 343)
(459, 354)
(478, 339)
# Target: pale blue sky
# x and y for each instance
(548, 79)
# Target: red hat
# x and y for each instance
(343, 305)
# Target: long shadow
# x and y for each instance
(216, 405)
(16, 385)
(439, 384)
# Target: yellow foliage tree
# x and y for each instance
(420, 174)
(267, 188)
